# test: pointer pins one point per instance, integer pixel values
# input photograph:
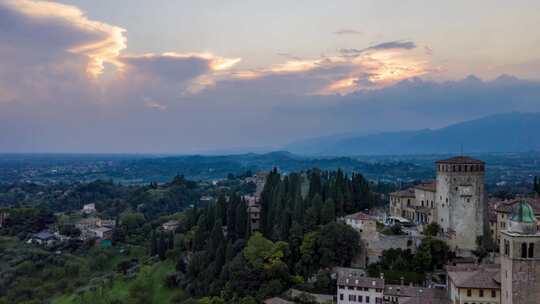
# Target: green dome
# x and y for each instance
(523, 213)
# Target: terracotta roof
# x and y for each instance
(358, 281)
(440, 297)
(404, 193)
(507, 206)
(418, 294)
(428, 186)
(474, 276)
(359, 216)
(460, 160)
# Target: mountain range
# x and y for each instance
(507, 132)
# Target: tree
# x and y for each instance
(432, 229)
(309, 257)
(328, 213)
(263, 253)
(338, 245)
(153, 244)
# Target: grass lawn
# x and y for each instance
(120, 288)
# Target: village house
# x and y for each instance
(474, 284)
(361, 222)
(103, 233)
(253, 211)
(352, 287)
(170, 225)
(89, 208)
(43, 237)
(3, 217)
(95, 227)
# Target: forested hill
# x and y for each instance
(509, 132)
(150, 168)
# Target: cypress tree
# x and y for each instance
(171, 241)
(328, 212)
(153, 244)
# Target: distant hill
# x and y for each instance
(509, 132)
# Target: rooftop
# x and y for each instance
(474, 276)
(507, 206)
(351, 277)
(433, 294)
(359, 216)
(404, 193)
(523, 212)
(43, 235)
(460, 160)
(427, 186)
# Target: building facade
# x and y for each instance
(503, 211)
(456, 201)
(461, 201)
(479, 284)
(353, 288)
(520, 257)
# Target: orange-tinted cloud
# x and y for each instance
(66, 27)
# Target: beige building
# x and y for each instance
(352, 287)
(401, 203)
(520, 257)
(362, 222)
(461, 201)
(468, 284)
(456, 201)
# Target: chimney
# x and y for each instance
(381, 275)
(401, 281)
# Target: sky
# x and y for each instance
(192, 76)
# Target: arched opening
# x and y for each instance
(524, 250)
(531, 250)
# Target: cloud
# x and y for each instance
(154, 105)
(57, 93)
(345, 31)
(42, 30)
(390, 45)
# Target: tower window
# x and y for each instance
(481, 293)
(524, 250)
(506, 248)
(531, 250)
(493, 293)
(469, 292)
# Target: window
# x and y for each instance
(493, 293)
(367, 299)
(531, 250)
(341, 297)
(506, 247)
(523, 250)
(469, 292)
(481, 293)
(360, 298)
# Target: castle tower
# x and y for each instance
(520, 258)
(461, 201)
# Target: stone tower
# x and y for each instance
(520, 258)
(461, 202)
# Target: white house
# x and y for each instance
(361, 222)
(89, 208)
(354, 288)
